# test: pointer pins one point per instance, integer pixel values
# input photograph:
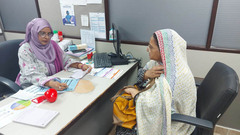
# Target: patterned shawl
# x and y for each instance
(174, 91)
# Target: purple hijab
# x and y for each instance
(50, 54)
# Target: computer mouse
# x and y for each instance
(112, 54)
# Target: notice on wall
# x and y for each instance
(68, 16)
(94, 1)
(98, 25)
(88, 37)
(80, 2)
(84, 20)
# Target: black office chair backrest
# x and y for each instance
(9, 67)
(216, 92)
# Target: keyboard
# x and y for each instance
(101, 60)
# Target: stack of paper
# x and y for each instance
(24, 95)
(80, 54)
(36, 117)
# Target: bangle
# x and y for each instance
(82, 66)
(78, 65)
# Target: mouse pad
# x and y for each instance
(84, 86)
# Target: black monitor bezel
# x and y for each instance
(116, 40)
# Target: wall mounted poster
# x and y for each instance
(68, 16)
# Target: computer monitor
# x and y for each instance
(119, 58)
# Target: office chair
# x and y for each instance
(9, 68)
(214, 96)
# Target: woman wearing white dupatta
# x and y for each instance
(174, 91)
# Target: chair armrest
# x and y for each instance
(197, 84)
(193, 121)
(10, 84)
(198, 81)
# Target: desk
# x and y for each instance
(89, 113)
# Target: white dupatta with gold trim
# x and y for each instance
(173, 91)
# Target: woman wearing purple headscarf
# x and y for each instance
(40, 57)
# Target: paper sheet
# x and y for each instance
(84, 20)
(110, 73)
(88, 37)
(36, 117)
(80, 2)
(23, 95)
(94, 1)
(41, 90)
(98, 25)
(79, 74)
(11, 110)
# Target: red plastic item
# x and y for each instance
(89, 56)
(50, 95)
(60, 35)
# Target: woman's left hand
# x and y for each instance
(83, 67)
(131, 91)
(87, 67)
(154, 72)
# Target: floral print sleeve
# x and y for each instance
(32, 70)
(67, 61)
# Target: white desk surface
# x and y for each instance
(70, 105)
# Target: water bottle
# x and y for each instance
(55, 36)
(111, 34)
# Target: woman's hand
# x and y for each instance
(154, 72)
(81, 66)
(56, 85)
(85, 67)
(131, 91)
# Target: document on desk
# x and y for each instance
(23, 95)
(79, 74)
(110, 73)
(36, 117)
(13, 109)
(34, 90)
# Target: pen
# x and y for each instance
(57, 79)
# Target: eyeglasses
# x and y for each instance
(43, 34)
(150, 46)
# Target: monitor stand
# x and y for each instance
(119, 60)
